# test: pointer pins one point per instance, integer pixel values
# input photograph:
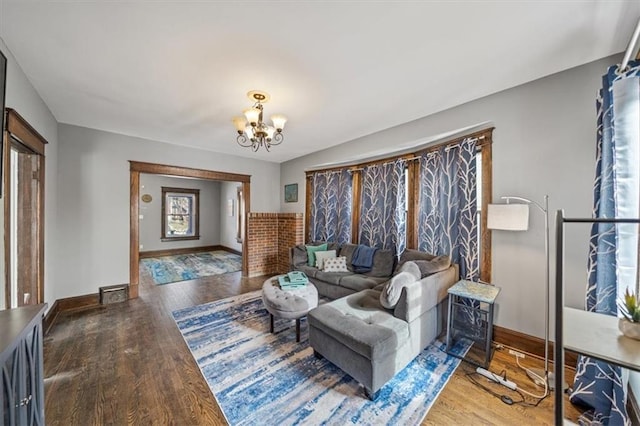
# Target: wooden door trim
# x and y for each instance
(6, 166)
(137, 167)
(19, 130)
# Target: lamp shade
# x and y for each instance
(240, 123)
(278, 121)
(253, 115)
(508, 217)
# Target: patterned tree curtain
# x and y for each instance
(612, 262)
(382, 213)
(330, 218)
(447, 220)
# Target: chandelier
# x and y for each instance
(252, 131)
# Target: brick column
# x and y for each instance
(269, 237)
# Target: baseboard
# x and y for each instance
(69, 304)
(50, 317)
(230, 250)
(177, 251)
(529, 344)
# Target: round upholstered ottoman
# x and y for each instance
(289, 304)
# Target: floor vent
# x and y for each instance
(114, 294)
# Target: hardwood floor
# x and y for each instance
(128, 364)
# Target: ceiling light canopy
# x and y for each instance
(252, 131)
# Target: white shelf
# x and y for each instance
(597, 336)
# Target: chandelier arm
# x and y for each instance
(243, 141)
(277, 138)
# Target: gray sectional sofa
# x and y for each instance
(335, 285)
(366, 340)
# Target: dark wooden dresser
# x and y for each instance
(22, 379)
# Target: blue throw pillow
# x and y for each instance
(311, 253)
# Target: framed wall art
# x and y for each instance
(291, 193)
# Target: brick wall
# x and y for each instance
(269, 237)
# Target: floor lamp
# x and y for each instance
(515, 217)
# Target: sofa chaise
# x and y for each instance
(366, 335)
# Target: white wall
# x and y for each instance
(22, 97)
(93, 225)
(228, 231)
(544, 143)
(151, 221)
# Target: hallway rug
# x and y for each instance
(263, 378)
(169, 269)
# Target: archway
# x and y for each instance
(135, 168)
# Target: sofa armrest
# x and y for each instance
(420, 296)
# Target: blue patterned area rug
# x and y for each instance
(169, 269)
(263, 378)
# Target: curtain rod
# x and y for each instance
(632, 43)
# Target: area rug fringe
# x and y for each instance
(262, 378)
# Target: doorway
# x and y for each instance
(135, 169)
(23, 164)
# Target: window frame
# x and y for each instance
(195, 213)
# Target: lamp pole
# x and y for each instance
(545, 210)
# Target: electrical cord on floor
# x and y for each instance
(542, 379)
(504, 398)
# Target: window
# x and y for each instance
(180, 218)
(412, 195)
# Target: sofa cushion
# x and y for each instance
(347, 250)
(299, 255)
(390, 294)
(412, 268)
(330, 245)
(311, 253)
(309, 270)
(359, 282)
(322, 255)
(411, 254)
(383, 263)
(331, 277)
(428, 267)
(359, 322)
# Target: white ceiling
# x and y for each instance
(178, 71)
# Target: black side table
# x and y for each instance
(471, 314)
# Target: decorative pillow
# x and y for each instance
(412, 268)
(390, 295)
(311, 253)
(336, 264)
(429, 267)
(321, 256)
